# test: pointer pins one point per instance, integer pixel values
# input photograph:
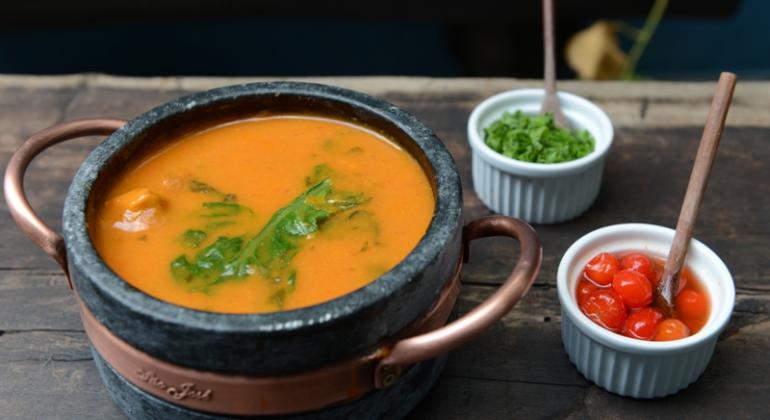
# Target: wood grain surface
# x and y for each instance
(516, 370)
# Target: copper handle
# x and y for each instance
(425, 346)
(18, 205)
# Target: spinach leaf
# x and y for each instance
(320, 172)
(193, 238)
(358, 225)
(270, 251)
(202, 187)
(219, 224)
(223, 209)
(223, 212)
(210, 264)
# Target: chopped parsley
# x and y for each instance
(536, 139)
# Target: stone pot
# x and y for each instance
(371, 353)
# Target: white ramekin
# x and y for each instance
(638, 368)
(538, 192)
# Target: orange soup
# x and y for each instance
(262, 214)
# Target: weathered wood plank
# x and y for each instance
(44, 346)
(54, 390)
(459, 397)
(33, 300)
(629, 104)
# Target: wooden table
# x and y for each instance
(518, 369)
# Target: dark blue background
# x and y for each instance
(681, 49)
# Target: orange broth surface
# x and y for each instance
(693, 321)
(257, 167)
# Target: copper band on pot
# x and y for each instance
(253, 395)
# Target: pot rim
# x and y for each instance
(441, 230)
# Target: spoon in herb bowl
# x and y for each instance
(550, 101)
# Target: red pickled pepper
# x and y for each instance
(602, 268)
(636, 261)
(643, 323)
(671, 329)
(584, 289)
(606, 309)
(690, 303)
(633, 288)
(616, 293)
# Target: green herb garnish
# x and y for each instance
(272, 249)
(223, 209)
(358, 225)
(219, 224)
(201, 187)
(204, 188)
(536, 139)
(224, 213)
(193, 238)
(320, 172)
(210, 266)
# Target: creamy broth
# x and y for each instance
(263, 214)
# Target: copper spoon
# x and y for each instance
(550, 101)
(712, 132)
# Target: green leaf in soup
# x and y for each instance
(355, 150)
(345, 200)
(291, 283)
(271, 250)
(182, 269)
(222, 209)
(197, 186)
(209, 266)
(193, 238)
(364, 220)
(358, 225)
(201, 187)
(278, 298)
(320, 172)
(277, 243)
(218, 224)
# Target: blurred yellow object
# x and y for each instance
(594, 53)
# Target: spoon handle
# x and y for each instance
(551, 100)
(548, 48)
(712, 132)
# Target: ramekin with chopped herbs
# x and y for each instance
(525, 166)
(536, 139)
